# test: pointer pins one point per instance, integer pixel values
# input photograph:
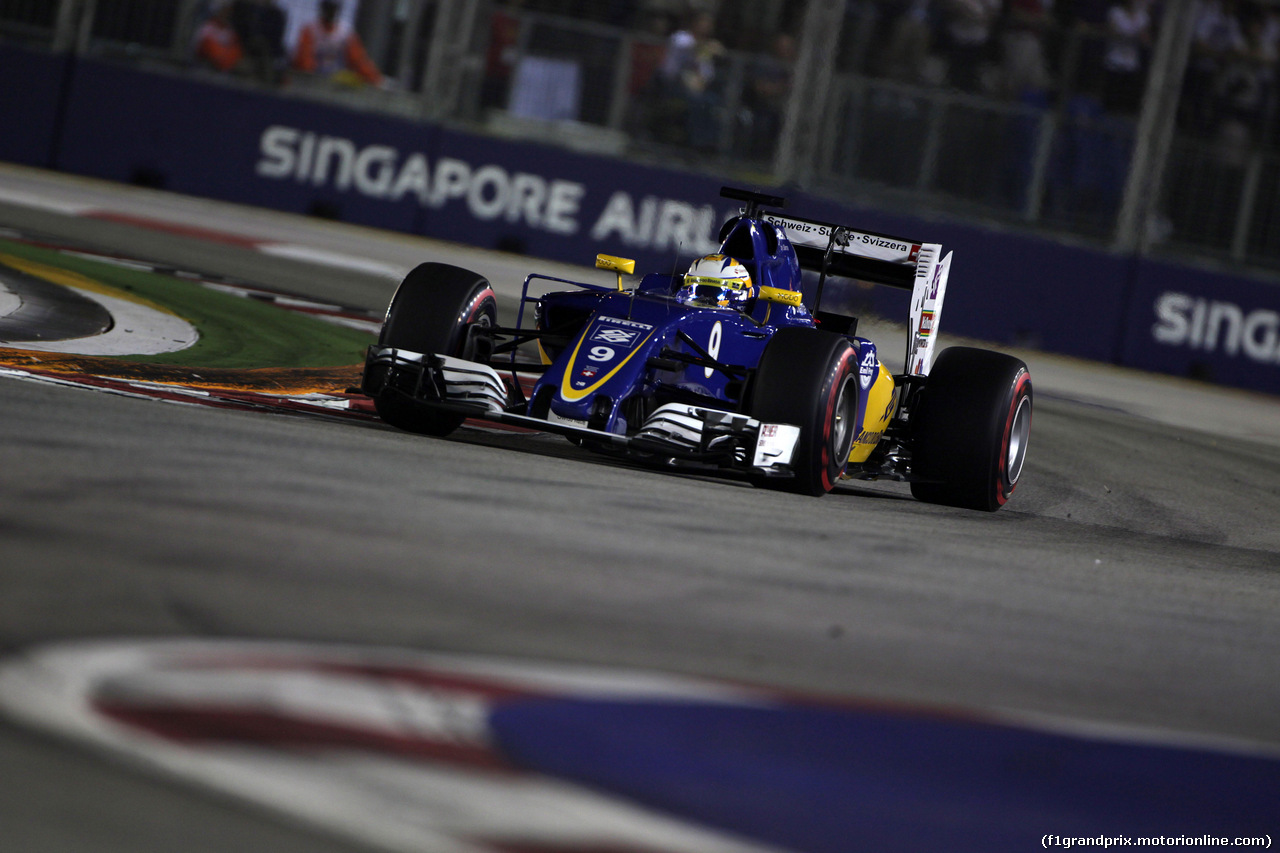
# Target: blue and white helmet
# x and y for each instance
(716, 281)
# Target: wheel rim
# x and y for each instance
(1019, 433)
(842, 424)
(466, 346)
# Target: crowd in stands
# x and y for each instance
(1057, 53)
(1230, 89)
(248, 37)
(1088, 58)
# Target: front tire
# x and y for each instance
(431, 312)
(809, 378)
(970, 429)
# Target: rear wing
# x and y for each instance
(838, 250)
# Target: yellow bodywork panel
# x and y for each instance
(622, 266)
(881, 400)
(610, 262)
(775, 294)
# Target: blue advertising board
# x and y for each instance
(1204, 324)
(29, 104)
(280, 151)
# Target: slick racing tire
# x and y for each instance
(809, 378)
(970, 429)
(431, 312)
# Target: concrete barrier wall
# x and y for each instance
(283, 152)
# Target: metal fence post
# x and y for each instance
(1047, 131)
(66, 34)
(185, 25)
(810, 90)
(84, 32)
(933, 142)
(376, 21)
(1155, 125)
(408, 48)
(621, 96)
(729, 126)
(448, 56)
(1248, 203)
(841, 149)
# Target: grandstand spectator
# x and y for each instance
(260, 25)
(1086, 24)
(688, 75)
(1271, 26)
(970, 26)
(1124, 63)
(1270, 36)
(1216, 35)
(766, 94)
(648, 101)
(648, 52)
(1087, 174)
(906, 55)
(330, 48)
(501, 56)
(1026, 66)
(1244, 87)
(1218, 31)
(692, 53)
(216, 42)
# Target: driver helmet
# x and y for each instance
(716, 281)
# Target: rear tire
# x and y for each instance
(430, 313)
(970, 429)
(809, 378)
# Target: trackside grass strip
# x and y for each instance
(235, 332)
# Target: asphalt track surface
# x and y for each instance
(1134, 578)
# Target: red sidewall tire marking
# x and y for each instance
(472, 311)
(469, 315)
(828, 476)
(1004, 488)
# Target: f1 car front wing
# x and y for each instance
(675, 431)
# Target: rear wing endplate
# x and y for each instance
(926, 309)
(878, 258)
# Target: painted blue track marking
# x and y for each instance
(834, 780)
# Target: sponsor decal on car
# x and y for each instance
(621, 337)
(713, 347)
(867, 368)
(926, 324)
(775, 445)
(892, 245)
(631, 324)
(624, 339)
(937, 280)
(817, 235)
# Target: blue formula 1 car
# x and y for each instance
(725, 366)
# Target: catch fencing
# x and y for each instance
(1049, 160)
